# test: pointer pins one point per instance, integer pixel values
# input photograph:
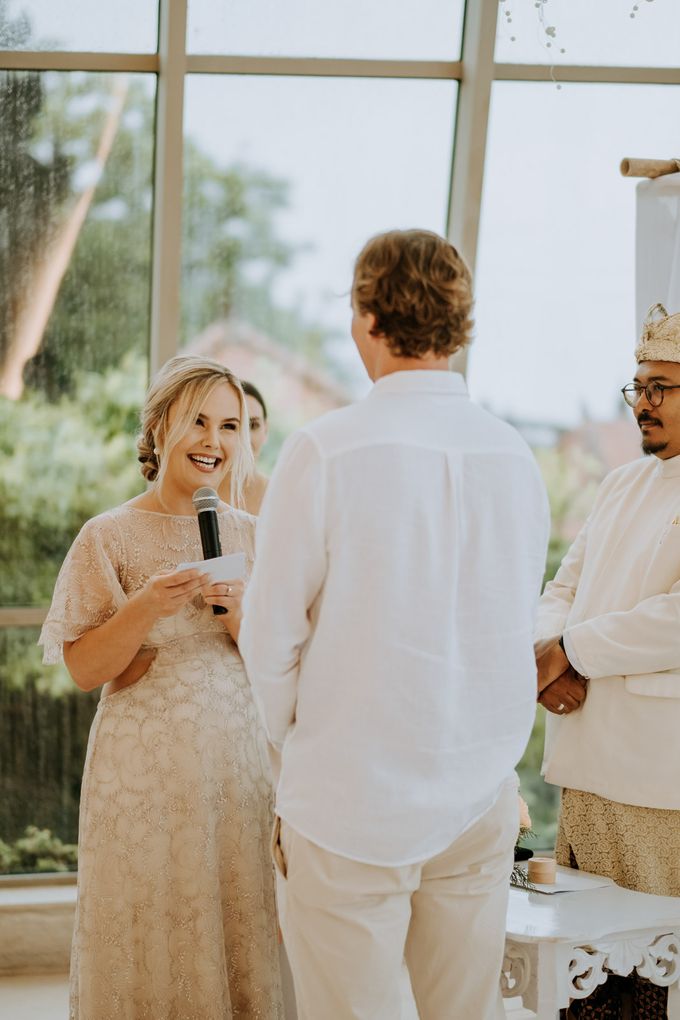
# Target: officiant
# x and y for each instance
(610, 676)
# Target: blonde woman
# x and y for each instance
(176, 915)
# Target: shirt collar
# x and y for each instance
(422, 381)
(669, 468)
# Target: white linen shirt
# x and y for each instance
(616, 599)
(388, 623)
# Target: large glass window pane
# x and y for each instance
(555, 312)
(126, 26)
(279, 201)
(644, 33)
(75, 206)
(556, 268)
(382, 29)
(76, 155)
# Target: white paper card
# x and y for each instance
(569, 880)
(222, 568)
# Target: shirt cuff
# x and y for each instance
(568, 648)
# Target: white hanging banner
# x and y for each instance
(657, 246)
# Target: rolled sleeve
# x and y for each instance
(643, 639)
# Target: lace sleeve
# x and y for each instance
(88, 590)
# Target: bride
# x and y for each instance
(176, 916)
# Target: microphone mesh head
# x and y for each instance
(205, 498)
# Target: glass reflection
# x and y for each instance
(75, 202)
(126, 26)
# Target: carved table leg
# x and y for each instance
(516, 970)
(518, 973)
(553, 979)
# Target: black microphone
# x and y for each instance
(206, 502)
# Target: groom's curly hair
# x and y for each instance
(418, 288)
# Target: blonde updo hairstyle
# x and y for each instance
(185, 382)
(418, 288)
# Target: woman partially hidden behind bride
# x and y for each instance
(176, 917)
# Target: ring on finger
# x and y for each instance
(560, 707)
(228, 589)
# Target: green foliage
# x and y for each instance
(518, 875)
(28, 189)
(21, 666)
(60, 464)
(37, 850)
(228, 228)
(231, 252)
(50, 131)
(102, 311)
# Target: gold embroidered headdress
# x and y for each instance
(660, 340)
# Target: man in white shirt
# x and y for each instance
(387, 635)
(615, 606)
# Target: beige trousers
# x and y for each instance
(348, 926)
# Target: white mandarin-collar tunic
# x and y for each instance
(616, 598)
(388, 623)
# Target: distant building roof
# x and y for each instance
(252, 355)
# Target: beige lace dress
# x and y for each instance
(176, 917)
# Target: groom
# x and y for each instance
(387, 635)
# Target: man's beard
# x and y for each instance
(650, 447)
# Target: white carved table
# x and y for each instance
(562, 946)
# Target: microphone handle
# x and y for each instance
(210, 543)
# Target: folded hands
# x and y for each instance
(560, 688)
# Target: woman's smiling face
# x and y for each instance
(201, 456)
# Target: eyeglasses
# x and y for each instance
(654, 392)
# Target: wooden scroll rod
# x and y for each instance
(649, 167)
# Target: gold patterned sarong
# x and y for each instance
(638, 847)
